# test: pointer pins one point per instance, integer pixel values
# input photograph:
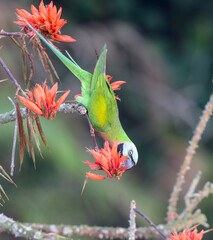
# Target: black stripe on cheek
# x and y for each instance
(120, 148)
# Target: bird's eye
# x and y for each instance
(130, 152)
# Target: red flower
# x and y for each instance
(46, 20)
(44, 104)
(108, 160)
(115, 86)
(187, 235)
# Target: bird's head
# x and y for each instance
(128, 149)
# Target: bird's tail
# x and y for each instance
(84, 76)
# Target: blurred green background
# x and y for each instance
(163, 50)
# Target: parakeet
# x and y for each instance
(99, 100)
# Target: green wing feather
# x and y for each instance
(102, 108)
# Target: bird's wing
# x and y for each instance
(102, 108)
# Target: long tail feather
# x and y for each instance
(81, 74)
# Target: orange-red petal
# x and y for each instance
(54, 90)
(63, 38)
(100, 158)
(116, 85)
(95, 176)
(61, 100)
(78, 95)
(30, 105)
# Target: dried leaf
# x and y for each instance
(41, 131)
(46, 64)
(31, 68)
(6, 176)
(24, 65)
(29, 129)
(30, 57)
(1, 188)
(17, 43)
(40, 56)
(84, 185)
(52, 67)
(35, 135)
(43, 59)
(26, 143)
(21, 133)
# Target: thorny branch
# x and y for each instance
(193, 145)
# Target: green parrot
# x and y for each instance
(99, 100)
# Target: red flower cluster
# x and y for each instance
(187, 235)
(46, 20)
(44, 103)
(108, 160)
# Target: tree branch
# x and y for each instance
(65, 108)
(13, 34)
(44, 231)
(19, 229)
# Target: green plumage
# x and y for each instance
(97, 96)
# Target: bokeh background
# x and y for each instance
(163, 50)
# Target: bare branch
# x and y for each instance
(151, 223)
(132, 224)
(192, 199)
(193, 145)
(20, 230)
(29, 231)
(17, 85)
(13, 34)
(12, 166)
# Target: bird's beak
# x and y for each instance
(129, 163)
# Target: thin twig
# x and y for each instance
(13, 34)
(12, 166)
(132, 224)
(195, 198)
(92, 132)
(192, 189)
(4, 80)
(151, 223)
(193, 145)
(11, 77)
